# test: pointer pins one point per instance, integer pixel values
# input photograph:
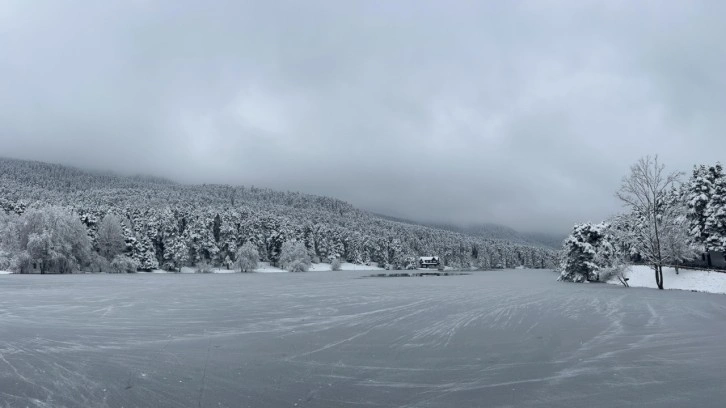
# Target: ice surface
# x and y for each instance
(322, 339)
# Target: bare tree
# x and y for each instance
(677, 241)
(645, 192)
(110, 238)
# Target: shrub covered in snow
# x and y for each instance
(297, 266)
(587, 253)
(410, 263)
(617, 268)
(336, 264)
(124, 264)
(247, 258)
(204, 267)
(294, 257)
(98, 264)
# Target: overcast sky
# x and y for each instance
(524, 113)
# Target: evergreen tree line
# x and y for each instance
(668, 222)
(151, 223)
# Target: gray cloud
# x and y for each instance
(525, 113)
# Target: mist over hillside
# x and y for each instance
(502, 232)
(491, 231)
(169, 225)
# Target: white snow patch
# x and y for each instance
(643, 276)
(218, 270)
(189, 269)
(5, 272)
(318, 267)
(265, 267)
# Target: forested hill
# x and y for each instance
(170, 225)
(32, 181)
(501, 232)
(492, 232)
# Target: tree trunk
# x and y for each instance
(659, 255)
(657, 278)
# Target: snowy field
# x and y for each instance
(642, 276)
(332, 339)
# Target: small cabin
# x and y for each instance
(428, 262)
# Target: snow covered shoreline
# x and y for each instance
(642, 276)
(265, 267)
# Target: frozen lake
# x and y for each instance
(329, 339)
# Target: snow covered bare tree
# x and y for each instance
(247, 257)
(51, 240)
(677, 242)
(644, 191)
(8, 244)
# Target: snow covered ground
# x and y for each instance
(642, 276)
(5, 272)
